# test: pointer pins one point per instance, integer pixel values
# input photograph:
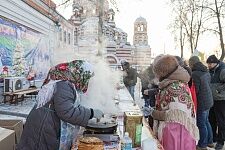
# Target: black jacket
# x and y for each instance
(218, 82)
(201, 78)
(42, 127)
(146, 77)
(189, 72)
(131, 78)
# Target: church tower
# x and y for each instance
(140, 32)
(142, 51)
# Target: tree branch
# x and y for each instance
(207, 7)
(63, 3)
(221, 6)
(208, 29)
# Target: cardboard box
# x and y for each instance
(133, 125)
(16, 125)
(7, 139)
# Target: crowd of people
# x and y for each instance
(184, 104)
(185, 100)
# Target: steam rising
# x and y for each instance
(102, 88)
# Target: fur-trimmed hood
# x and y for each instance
(179, 75)
(165, 65)
(168, 70)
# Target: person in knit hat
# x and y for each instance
(129, 78)
(201, 80)
(212, 59)
(174, 115)
(193, 60)
(217, 113)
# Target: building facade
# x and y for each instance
(32, 35)
(93, 33)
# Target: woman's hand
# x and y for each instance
(98, 114)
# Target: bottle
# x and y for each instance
(126, 143)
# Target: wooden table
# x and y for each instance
(18, 96)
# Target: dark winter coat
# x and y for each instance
(131, 78)
(146, 77)
(189, 72)
(201, 78)
(42, 127)
(218, 82)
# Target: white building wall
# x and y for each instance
(19, 12)
(65, 51)
(22, 13)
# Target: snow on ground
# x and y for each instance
(22, 109)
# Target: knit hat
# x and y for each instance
(193, 60)
(165, 66)
(212, 59)
(180, 60)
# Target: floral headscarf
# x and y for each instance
(78, 72)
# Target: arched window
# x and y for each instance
(69, 38)
(60, 34)
(64, 36)
(141, 27)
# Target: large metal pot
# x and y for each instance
(102, 126)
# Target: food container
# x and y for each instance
(90, 143)
(133, 125)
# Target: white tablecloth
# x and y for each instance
(126, 103)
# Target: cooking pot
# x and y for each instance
(100, 127)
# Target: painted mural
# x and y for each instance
(22, 50)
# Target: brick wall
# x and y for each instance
(50, 3)
(40, 9)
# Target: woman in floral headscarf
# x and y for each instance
(175, 119)
(54, 120)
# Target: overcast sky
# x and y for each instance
(157, 14)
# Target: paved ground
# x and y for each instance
(21, 110)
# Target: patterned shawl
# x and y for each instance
(77, 72)
(175, 98)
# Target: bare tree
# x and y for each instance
(188, 18)
(215, 19)
(179, 35)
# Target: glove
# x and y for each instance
(98, 114)
(148, 111)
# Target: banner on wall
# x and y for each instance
(22, 49)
